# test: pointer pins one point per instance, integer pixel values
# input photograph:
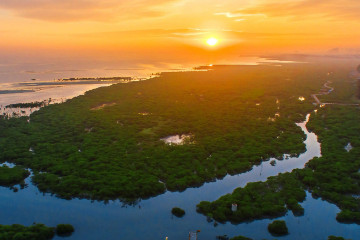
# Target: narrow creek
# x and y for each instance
(152, 219)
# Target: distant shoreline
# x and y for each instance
(63, 89)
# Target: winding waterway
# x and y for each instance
(152, 219)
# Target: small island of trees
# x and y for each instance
(33, 232)
(178, 212)
(240, 238)
(278, 228)
(64, 229)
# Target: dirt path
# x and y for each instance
(322, 92)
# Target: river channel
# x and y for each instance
(151, 219)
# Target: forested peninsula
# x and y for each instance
(109, 143)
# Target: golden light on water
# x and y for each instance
(212, 41)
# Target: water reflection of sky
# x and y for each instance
(29, 82)
(22, 72)
(39, 93)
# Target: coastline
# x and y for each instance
(64, 88)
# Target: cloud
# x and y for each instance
(237, 14)
(188, 33)
(85, 10)
(153, 33)
(145, 33)
(299, 9)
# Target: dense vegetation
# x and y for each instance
(27, 105)
(178, 212)
(33, 232)
(240, 238)
(19, 232)
(258, 200)
(278, 228)
(106, 144)
(335, 238)
(335, 176)
(64, 229)
(12, 176)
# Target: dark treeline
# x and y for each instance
(27, 105)
(238, 116)
(33, 232)
(336, 238)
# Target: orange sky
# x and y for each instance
(176, 30)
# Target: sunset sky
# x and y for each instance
(145, 32)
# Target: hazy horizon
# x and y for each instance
(166, 34)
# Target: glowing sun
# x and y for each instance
(212, 41)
